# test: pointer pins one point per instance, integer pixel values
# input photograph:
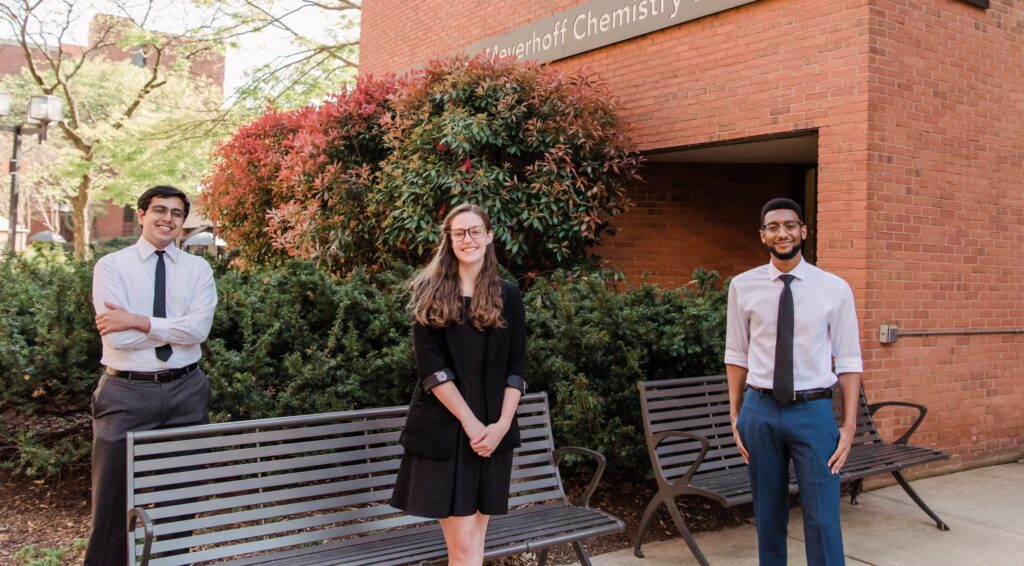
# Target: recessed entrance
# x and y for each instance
(700, 206)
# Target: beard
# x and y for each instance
(797, 246)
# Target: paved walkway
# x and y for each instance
(984, 509)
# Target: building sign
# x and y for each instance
(596, 24)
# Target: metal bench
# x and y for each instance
(315, 490)
(693, 452)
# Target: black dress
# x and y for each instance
(464, 483)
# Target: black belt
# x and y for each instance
(164, 376)
(805, 395)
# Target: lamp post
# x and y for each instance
(42, 111)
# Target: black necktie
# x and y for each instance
(163, 353)
(782, 386)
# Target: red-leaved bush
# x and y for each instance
(366, 177)
(294, 184)
(536, 147)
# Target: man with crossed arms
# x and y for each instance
(787, 320)
(154, 307)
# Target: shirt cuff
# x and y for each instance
(159, 329)
(516, 382)
(849, 365)
(437, 378)
(735, 359)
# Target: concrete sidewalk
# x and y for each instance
(984, 509)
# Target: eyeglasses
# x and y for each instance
(475, 232)
(791, 226)
(160, 210)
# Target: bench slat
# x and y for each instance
(267, 481)
(158, 478)
(269, 436)
(284, 449)
(262, 492)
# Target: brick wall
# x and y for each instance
(946, 237)
(108, 222)
(919, 111)
(691, 215)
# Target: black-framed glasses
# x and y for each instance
(475, 232)
(160, 210)
(790, 226)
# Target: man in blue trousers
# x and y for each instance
(789, 325)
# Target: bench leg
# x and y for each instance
(542, 557)
(645, 522)
(691, 542)
(855, 490)
(581, 554)
(942, 526)
(677, 518)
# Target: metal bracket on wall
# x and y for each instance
(888, 332)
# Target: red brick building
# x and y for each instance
(899, 124)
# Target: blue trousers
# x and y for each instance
(806, 433)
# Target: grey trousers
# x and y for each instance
(119, 406)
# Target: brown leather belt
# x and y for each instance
(164, 376)
(805, 395)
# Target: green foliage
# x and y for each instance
(157, 142)
(291, 340)
(37, 456)
(49, 347)
(540, 150)
(591, 343)
(366, 178)
(30, 555)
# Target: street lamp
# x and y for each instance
(42, 111)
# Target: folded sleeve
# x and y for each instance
(431, 365)
(516, 378)
(737, 330)
(845, 334)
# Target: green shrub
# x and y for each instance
(364, 178)
(540, 149)
(291, 340)
(49, 347)
(590, 343)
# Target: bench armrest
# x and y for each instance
(705, 444)
(922, 411)
(138, 514)
(560, 453)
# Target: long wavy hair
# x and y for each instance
(437, 293)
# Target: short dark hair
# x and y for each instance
(781, 204)
(165, 191)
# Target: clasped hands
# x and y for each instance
(484, 439)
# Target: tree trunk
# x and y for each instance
(80, 214)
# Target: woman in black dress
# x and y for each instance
(469, 338)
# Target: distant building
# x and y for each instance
(109, 220)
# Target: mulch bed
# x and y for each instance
(47, 514)
(53, 513)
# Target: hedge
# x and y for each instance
(291, 340)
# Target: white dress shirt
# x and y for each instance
(126, 278)
(825, 326)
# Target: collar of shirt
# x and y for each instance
(800, 271)
(146, 249)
